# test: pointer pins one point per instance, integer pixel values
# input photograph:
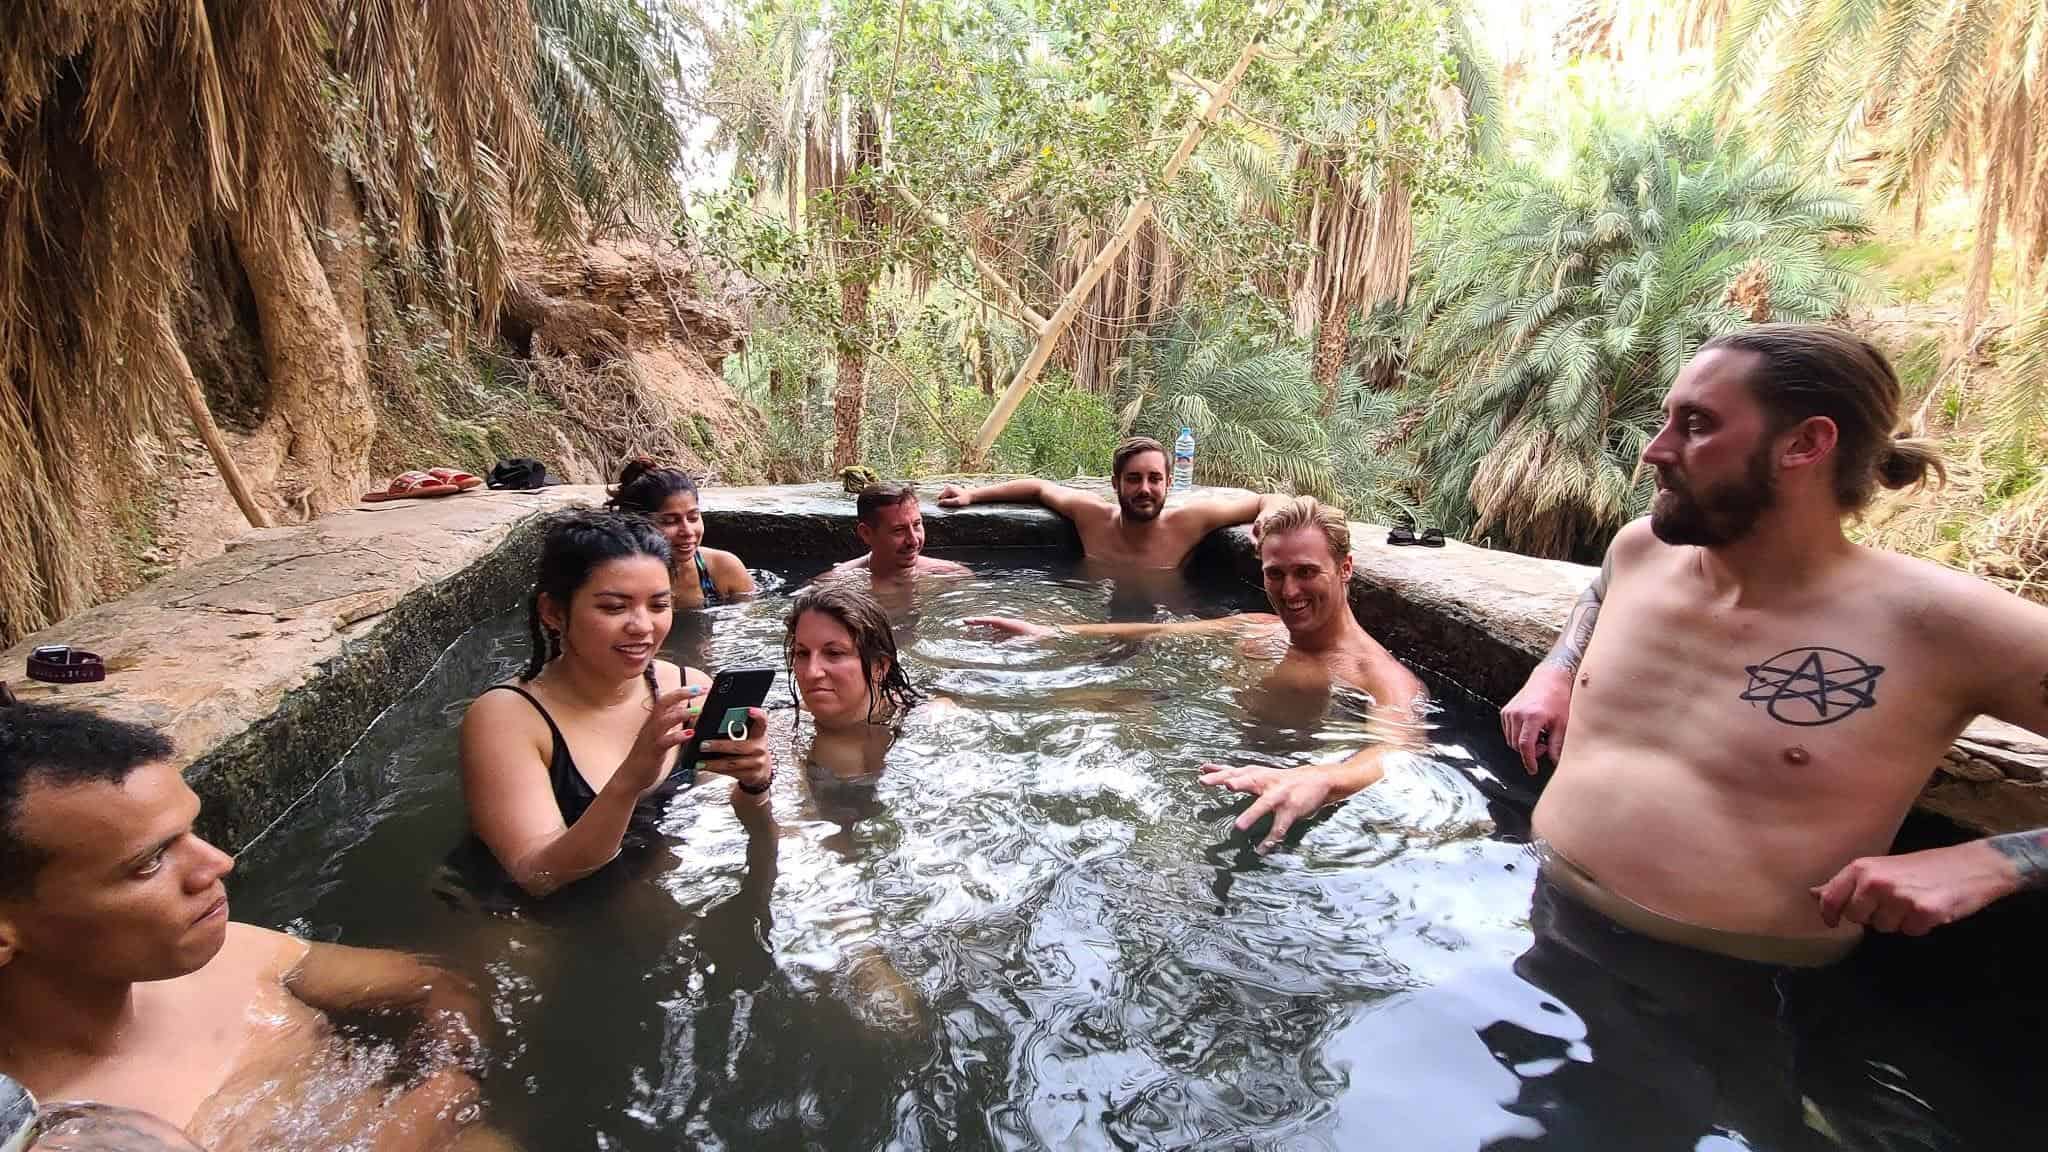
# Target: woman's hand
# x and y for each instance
(666, 728)
(746, 761)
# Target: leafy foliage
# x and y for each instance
(1551, 313)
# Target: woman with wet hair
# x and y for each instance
(559, 766)
(702, 577)
(843, 668)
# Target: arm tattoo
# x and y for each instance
(2028, 852)
(1578, 627)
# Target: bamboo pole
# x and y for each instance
(202, 419)
(1140, 211)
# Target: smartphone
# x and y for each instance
(724, 717)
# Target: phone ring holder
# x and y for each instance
(737, 731)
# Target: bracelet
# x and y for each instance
(770, 783)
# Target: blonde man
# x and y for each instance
(1305, 563)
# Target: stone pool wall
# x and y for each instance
(266, 663)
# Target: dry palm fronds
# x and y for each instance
(125, 125)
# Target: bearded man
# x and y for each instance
(1140, 532)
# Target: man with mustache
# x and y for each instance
(123, 982)
(1764, 699)
(1141, 531)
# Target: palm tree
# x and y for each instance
(1247, 395)
(1550, 314)
(1948, 88)
(128, 129)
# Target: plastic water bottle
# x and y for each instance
(1184, 459)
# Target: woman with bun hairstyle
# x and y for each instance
(703, 577)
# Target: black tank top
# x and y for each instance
(573, 794)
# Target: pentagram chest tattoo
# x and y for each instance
(1807, 687)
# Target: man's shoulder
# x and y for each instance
(259, 952)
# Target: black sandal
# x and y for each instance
(1431, 538)
(1401, 537)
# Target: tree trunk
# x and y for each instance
(320, 408)
(1977, 292)
(1140, 212)
(1333, 331)
(202, 419)
(850, 391)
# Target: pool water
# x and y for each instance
(1034, 929)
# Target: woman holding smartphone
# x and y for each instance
(702, 577)
(561, 765)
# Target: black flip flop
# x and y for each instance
(1431, 538)
(1402, 537)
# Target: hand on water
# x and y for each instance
(1290, 794)
(1919, 891)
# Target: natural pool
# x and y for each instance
(1035, 930)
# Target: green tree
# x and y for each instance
(1551, 313)
(1946, 90)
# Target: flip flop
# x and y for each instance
(1431, 538)
(411, 486)
(1402, 537)
(463, 481)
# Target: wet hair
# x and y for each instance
(572, 549)
(1308, 512)
(875, 497)
(64, 747)
(1808, 370)
(1135, 446)
(645, 486)
(864, 620)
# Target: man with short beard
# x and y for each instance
(1141, 531)
(1764, 699)
(1305, 563)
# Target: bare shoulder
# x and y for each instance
(261, 951)
(492, 711)
(725, 566)
(1949, 603)
(1634, 546)
(936, 567)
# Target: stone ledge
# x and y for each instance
(266, 663)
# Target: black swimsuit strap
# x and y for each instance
(530, 698)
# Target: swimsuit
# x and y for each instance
(573, 794)
(705, 582)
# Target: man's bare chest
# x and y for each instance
(1811, 699)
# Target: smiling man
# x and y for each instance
(889, 523)
(1763, 699)
(1305, 563)
(123, 982)
(1140, 531)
